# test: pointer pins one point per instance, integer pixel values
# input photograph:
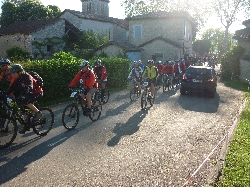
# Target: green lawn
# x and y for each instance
(237, 166)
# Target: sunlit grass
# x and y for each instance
(237, 166)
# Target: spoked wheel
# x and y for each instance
(164, 85)
(143, 100)
(168, 84)
(96, 110)
(45, 123)
(8, 131)
(133, 93)
(70, 116)
(106, 95)
(152, 100)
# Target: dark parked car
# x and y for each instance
(199, 79)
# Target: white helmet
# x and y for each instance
(84, 63)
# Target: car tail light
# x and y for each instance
(184, 77)
(211, 80)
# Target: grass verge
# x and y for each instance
(237, 167)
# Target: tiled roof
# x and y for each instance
(27, 27)
(243, 34)
(123, 44)
(163, 39)
(120, 22)
(163, 14)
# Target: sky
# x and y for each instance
(117, 11)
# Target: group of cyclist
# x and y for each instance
(26, 90)
(153, 72)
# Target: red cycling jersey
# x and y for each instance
(87, 77)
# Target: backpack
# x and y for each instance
(37, 77)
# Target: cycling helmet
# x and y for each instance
(139, 61)
(5, 61)
(150, 61)
(84, 63)
(16, 68)
(98, 61)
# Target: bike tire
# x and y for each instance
(96, 110)
(133, 94)
(106, 96)
(45, 123)
(10, 131)
(168, 85)
(143, 100)
(70, 116)
(152, 100)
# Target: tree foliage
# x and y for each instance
(23, 10)
(198, 9)
(202, 46)
(228, 11)
(87, 43)
(216, 38)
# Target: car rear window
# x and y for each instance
(199, 71)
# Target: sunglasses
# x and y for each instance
(3, 65)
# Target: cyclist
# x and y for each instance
(159, 67)
(5, 66)
(141, 64)
(151, 73)
(101, 75)
(30, 88)
(177, 69)
(169, 70)
(183, 66)
(136, 74)
(88, 80)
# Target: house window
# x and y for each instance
(49, 48)
(138, 31)
(89, 8)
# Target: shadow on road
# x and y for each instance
(14, 167)
(128, 128)
(199, 103)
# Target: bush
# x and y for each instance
(17, 54)
(59, 71)
(230, 63)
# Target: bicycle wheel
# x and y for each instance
(8, 131)
(152, 100)
(133, 94)
(96, 110)
(168, 84)
(143, 100)
(106, 95)
(70, 116)
(45, 123)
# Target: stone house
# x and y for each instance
(39, 37)
(162, 35)
(243, 38)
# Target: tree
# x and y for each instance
(228, 11)
(216, 38)
(198, 9)
(23, 10)
(202, 46)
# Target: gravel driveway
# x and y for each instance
(161, 146)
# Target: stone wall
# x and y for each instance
(111, 51)
(245, 70)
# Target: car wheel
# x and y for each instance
(211, 94)
(182, 91)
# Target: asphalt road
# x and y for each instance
(161, 146)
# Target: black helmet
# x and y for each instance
(84, 63)
(16, 68)
(5, 61)
(98, 61)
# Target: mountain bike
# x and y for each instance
(165, 82)
(11, 112)
(146, 96)
(134, 91)
(70, 116)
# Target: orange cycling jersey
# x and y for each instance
(5, 74)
